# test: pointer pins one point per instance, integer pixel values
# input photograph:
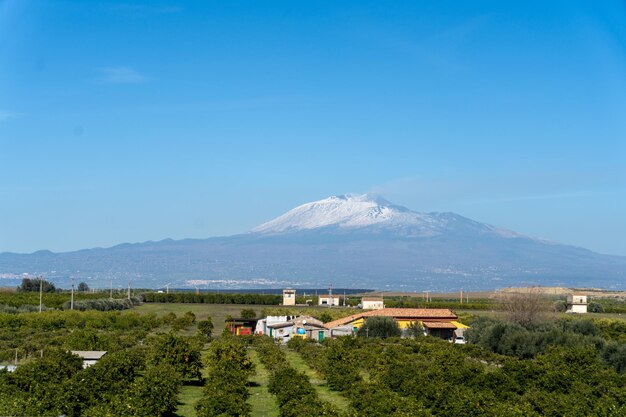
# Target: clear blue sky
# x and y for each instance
(125, 122)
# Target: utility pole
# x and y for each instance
(461, 297)
(129, 290)
(40, 293)
(111, 290)
(72, 299)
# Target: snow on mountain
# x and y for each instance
(348, 212)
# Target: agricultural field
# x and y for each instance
(508, 369)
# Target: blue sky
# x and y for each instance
(125, 122)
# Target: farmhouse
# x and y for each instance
(303, 326)
(438, 322)
(328, 300)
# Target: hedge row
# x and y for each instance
(294, 392)
(103, 304)
(212, 298)
(226, 391)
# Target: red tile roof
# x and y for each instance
(399, 313)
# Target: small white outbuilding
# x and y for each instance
(576, 303)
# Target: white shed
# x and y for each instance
(576, 303)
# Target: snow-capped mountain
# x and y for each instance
(350, 212)
(350, 241)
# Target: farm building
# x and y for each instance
(262, 324)
(438, 322)
(89, 357)
(289, 297)
(372, 303)
(576, 303)
(241, 327)
(328, 300)
(304, 326)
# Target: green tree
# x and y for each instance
(83, 287)
(31, 285)
(178, 352)
(381, 327)
(205, 327)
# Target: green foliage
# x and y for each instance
(205, 327)
(83, 287)
(293, 390)
(594, 307)
(104, 304)
(247, 313)
(36, 284)
(341, 364)
(179, 352)
(226, 391)
(212, 298)
(325, 317)
(380, 327)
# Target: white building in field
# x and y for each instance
(576, 303)
(289, 297)
(328, 300)
(89, 357)
(372, 303)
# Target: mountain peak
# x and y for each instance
(352, 212)
(345, 211)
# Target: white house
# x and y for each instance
(576, 303)
(289, 297)
(372, 303)
(303, 326)
(89, 357)
(262, 324)
(328, 300)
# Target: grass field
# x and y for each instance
(263, 403)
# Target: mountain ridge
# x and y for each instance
(352, 241)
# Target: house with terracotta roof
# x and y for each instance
(438, 322)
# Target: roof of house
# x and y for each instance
(439, 325)
(298, 321)
(372, 299)
(89, 354)
(329, 296)
(280, 325)
(398, 313)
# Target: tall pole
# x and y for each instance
(72, 299)
(461, 297)
(40, 293)
(129, 290)
(111, 290)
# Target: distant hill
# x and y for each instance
(348, 241)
